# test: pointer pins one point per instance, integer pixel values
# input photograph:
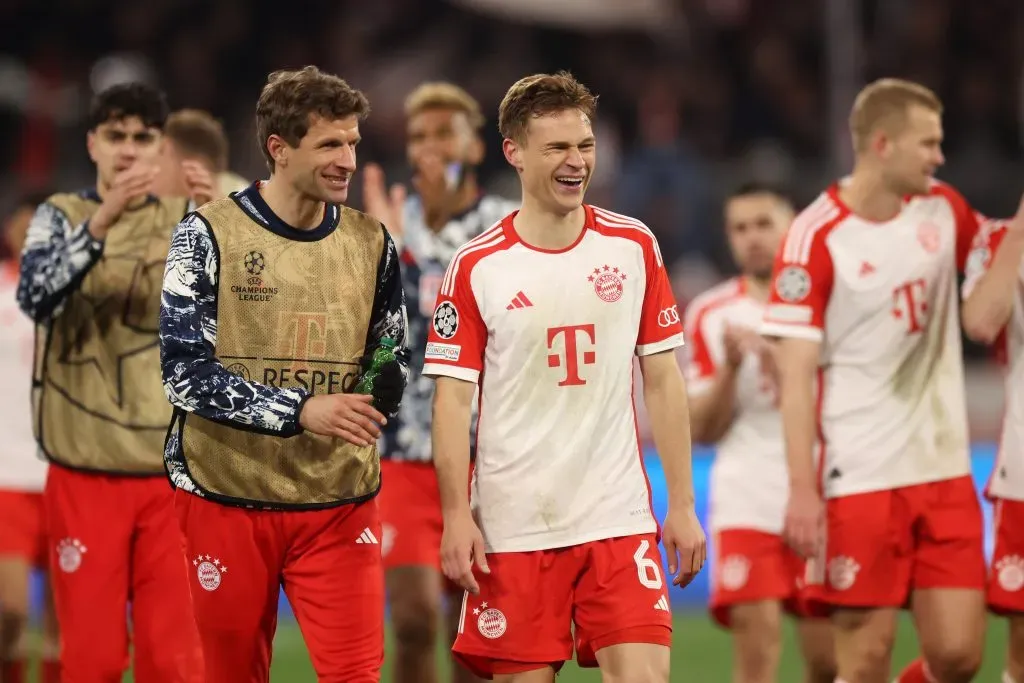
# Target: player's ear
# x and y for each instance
(278, 149)
(512, 154)
(90, 144)
(880, 143)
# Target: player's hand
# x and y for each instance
(685, 544)
(346, 416)
(432, 184)
(804, 529)
(202, 186)
(739, 341)
(129, 185)
(385, 205)
(462, 544)
(388, 387)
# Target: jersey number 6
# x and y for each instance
(646, 568)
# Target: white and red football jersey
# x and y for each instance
(749, 482)
(21, 467)
(882, 299)
(1007, 480)
(550, 338)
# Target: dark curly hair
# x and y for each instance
(129, 99)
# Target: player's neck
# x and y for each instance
(867, 196)
(757, 288)
(294, 208)
(545, 230)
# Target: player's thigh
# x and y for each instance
(334, 579)
(522, 618)
(232, 562)
(950, 549)
(629, 662)
(90, 520)
(414, 600)
(750, 567)
(166, 642)
(621, 597)
(1015, 640)
(950, 626)
(15, 573)
(869, 549)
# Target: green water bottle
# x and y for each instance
(385, 353)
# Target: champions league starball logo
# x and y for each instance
(446, 320)
(255, 263)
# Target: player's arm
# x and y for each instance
(389, 319)
(194, 380)
(453, 406)
(711, 385)
(990, 278)
(666, 404)
(55, 258)
(795, 318)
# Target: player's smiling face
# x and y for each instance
(556, 159)
(914, 153)
(118, 144)
(322, 165)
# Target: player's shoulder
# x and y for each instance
(614, 224)
(715, 298)
(813, 225)
(72, 206)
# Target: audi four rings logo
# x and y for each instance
(668, 316)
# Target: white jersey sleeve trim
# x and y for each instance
(673, 342)
(773, 329)
(441, 370)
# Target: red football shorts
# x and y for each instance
(329, 564)
(410, 513)
(613, 590)
(1006, 577)
(751, 566)
(884, 544)
(115, 540)
(22, 531)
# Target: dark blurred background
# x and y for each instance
(695, 95)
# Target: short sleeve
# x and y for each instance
(801, 285)
(457, 335)
(660, 326)
(968, 222)
(984, 248)
(700, 365)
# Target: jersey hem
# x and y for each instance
(875, 488)
(673, 342)
(440, 370)
(526, 546)
(731, 526)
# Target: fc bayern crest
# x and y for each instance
(607, 283)
(446, 320)
(928, 236)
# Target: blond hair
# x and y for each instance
(198, 134)
(442, 95)
(541, 95)
(885, 103)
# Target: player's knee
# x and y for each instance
(955, 663)
(13, 631)
(868, 658)
(415, 624)
(820, 667)
(758, 643)
(647, 672)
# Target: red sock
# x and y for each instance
(49, 671)
(13, 671)
(916, 672)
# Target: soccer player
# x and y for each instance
(273, 297)
(90, 278)
(733, 402)
(545, 312)
(993, 313)
(865, 304)
(195, 150)
(23, 543)
(444, 148)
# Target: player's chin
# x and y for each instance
(334, 189)
(568, 197)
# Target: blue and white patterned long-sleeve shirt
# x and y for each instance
(55, 258)
(425, 258)
(195, 380)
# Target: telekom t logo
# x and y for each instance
(572, 356)
(908, 303)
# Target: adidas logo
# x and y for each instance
(519, 301)
(367, 537)
(866, 269)
(662, 604)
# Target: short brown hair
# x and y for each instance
(541, 95)
(884, 102)
(197, 134)
(291, 98)
(441, 95)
